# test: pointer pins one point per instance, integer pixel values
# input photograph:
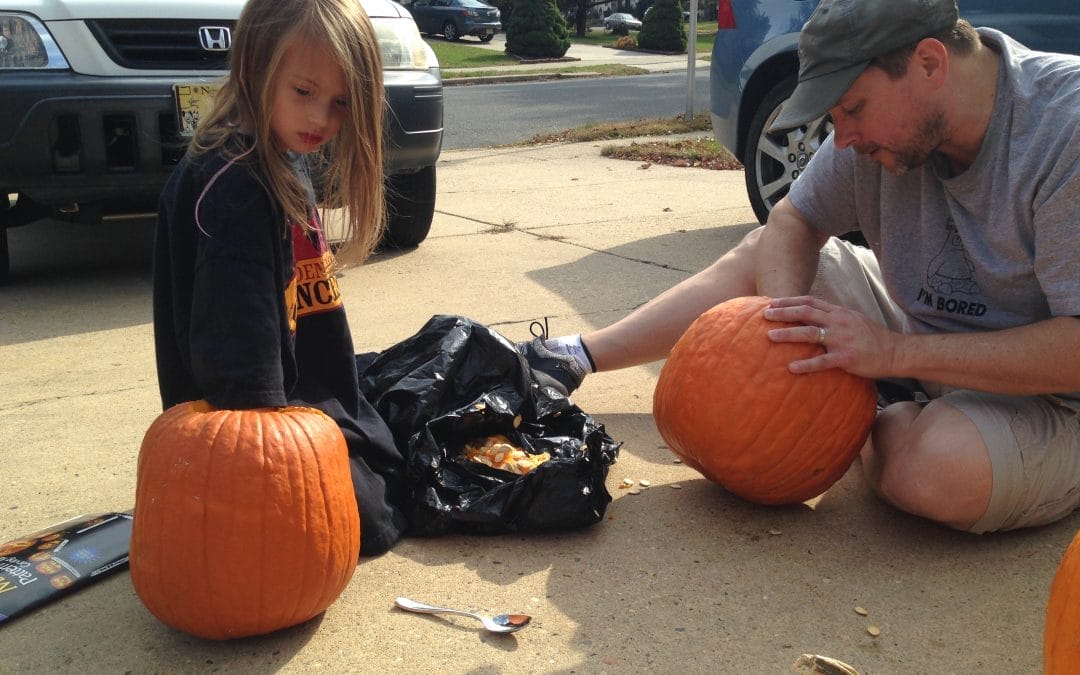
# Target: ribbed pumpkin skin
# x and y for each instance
(1061, 635)
(726, 403)
(245, 520)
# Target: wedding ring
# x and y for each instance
(821, 335)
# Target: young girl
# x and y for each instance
(247, 312)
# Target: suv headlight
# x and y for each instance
(402, 47)
(25, 43)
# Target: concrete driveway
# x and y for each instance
(683, 579)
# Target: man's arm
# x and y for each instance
(786, 257)
(1040, 358)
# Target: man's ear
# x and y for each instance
(931, 59)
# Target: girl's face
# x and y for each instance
(310, 98)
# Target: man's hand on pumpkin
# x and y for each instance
(851, 341)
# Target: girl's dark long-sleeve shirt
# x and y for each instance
(247, 315)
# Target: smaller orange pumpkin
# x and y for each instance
(1061, 633)
(726, 403)
(245, 520)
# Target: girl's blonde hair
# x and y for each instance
(350, 167)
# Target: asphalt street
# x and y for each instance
(510, 112)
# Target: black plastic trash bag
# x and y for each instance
(457, 381)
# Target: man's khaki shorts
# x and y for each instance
(1034, 441)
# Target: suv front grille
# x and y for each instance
(159, 44)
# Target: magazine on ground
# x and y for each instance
(60, 560)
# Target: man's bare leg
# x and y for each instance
(649, 332)
(930, 461)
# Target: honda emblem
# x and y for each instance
(215, 38)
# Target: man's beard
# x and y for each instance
(913, 154)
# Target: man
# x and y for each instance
(956, 153)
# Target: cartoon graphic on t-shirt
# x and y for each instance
(951, 271)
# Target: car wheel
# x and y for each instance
(5, 255)
(410, 205)
(773, 161)
(5, 258)
(487, 38)
(450, 31)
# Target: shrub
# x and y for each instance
(536, 29)
(662, 28)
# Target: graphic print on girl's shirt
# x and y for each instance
(313, 289)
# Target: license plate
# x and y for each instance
(489, 31)
(193, 101)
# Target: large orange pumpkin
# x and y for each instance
(245, 520)
(727, 404)
(1061, 634)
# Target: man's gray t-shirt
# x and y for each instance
(990, 248)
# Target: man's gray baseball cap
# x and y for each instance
(843, 36)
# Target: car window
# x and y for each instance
(472, 3)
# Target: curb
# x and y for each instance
(644, 51)
(524, 77)
(555, 59)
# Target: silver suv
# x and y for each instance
(100, 97)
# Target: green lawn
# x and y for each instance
(455, 55)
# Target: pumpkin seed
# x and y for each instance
(676, 486)
(873, 630)
(861, 611)
(644, 483)
(815, 663)
(627, 481)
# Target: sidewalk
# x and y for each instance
(680, 577)
(578, 55)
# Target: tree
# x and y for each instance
(579, 10)
(536, 29)
(662, 28)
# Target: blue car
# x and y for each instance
(455, 18)
(755, 66)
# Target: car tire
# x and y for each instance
(5, 253)
(487, 38)
(5, 256)
(773, 161)
(450, 31)
(410, 206)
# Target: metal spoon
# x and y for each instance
(503, 623)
